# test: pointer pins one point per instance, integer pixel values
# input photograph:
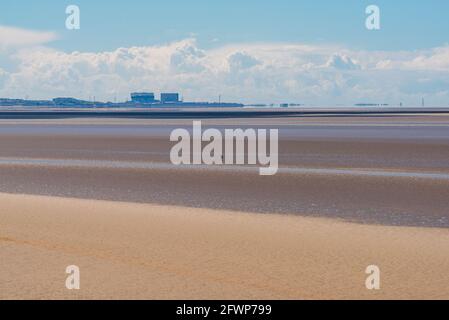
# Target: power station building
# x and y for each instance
(143, 97)
(169, 100)
(169, 97)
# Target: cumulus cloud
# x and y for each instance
(186, 57)
(242, 61)
(435, 59)
(342, 62)
(260, 72)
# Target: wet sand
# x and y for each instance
(143, 251)
(391, 171)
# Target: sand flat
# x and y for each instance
(365, 169)
(146, 251)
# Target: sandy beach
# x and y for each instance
(142, 251)
(102, 195)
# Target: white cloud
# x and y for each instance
(186, 57)
(261, 72)
(242, 61)
(16, 37)
(435, 59)
(342, 62)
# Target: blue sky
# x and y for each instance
(106, 25)
(314, 52)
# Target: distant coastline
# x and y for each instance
(73, 102)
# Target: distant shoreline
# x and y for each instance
(197, 113)
(76, 103)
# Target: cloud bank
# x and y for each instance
(250, 73)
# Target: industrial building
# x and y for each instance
(138, 100)
(169, 97)
(143, 97)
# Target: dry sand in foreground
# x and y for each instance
(143, 251)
